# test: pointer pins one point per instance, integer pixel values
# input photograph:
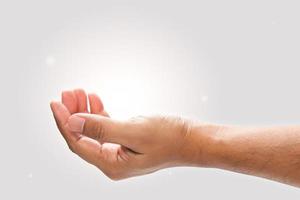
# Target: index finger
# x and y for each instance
(87, 148)
(61, 115)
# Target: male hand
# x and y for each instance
(142, 145)
(121, 149)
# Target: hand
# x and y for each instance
(122, 149)
(142, 145)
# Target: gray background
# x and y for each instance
(233, 62)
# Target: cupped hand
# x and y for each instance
(121, 149)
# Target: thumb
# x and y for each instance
(101, 128)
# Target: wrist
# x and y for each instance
(204, 144)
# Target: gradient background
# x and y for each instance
(234, 62)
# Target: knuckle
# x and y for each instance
(71, 147)
(100, 132)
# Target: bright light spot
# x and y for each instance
(29, 176)
(204, 99)
(170, 172)
(50, 60)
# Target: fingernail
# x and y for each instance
(76, 124)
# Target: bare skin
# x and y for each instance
(142, 145)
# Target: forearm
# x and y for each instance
(272, 152)
(141, 145)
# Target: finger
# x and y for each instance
(101, 128)
(89, 150)
(86, 148)
(96, 104)
(81, 100)
(104, 113)
(69, 99)
(102, 156)
(61, 115)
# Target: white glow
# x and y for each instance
(29, 176)
(204, 99)
(50, 60)
(135, 72)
